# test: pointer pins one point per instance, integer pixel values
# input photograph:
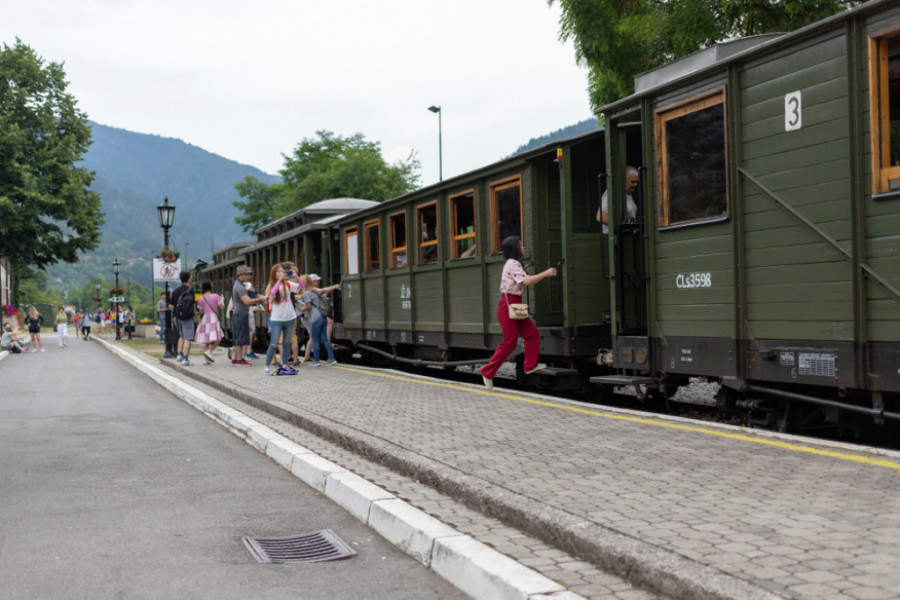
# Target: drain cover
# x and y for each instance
(317, 546)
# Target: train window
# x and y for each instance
(373, 246)
(506, 211)
(351, 251)
(693, 176)
(884, 83)
(398, 240)
(462, 217)
(426, 217)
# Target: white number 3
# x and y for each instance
(792, 111)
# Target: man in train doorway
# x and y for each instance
(240, 319)
(631, 182)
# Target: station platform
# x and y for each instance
(608, 503)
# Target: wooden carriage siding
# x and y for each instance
(806, 255)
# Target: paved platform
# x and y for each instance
(676, 508)
(112, 488)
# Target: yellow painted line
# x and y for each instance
(868, 460)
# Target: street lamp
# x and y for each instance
(186, 263)
(166, 214)
(437, 109)
(115, 300)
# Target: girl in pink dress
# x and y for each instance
(209, 332)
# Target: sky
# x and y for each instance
(250, 80)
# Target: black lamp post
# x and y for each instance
(115, 300)
(166, 214)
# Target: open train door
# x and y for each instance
(631, 344)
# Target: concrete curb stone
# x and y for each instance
(475, 568)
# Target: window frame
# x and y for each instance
(879, 112)
(392, 219)
(669, 113)
(368, 226)
(456, 238)
(420, 243)
(494, 188)
(349, 232)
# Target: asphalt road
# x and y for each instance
(112, 488)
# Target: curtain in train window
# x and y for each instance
(506, 211)
(427, 220)
(351, 251)
(373, 246)
(398, 240)
(884, 100)
(693, 173)
(462, 216)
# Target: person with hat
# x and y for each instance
(242, 300)
(317, 281)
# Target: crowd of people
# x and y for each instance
(290, 305)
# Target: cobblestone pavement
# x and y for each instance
(787, 517)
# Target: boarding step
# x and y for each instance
(623, 380)
(555, 372)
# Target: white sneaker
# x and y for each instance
(315, 364)
(331, 362)
(42, 349)
(185, 362)
(488, 383)
(208, 356)
(266, 371)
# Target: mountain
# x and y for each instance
(134, 172)
(582, 127)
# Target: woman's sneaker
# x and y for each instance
(315, 364)
(208, 356)
(267, 371)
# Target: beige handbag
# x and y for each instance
(517, 312)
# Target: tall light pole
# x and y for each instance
(166, 213)
(186, 264)
(116, 265)
(437, 109)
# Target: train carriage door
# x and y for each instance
(627, 215)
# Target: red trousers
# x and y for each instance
(512, 330)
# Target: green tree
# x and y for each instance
(47, 212)
(618, 39)
(329, 166)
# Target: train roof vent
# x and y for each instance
(698, 60)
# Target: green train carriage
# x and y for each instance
(420, 273)
(769, 243)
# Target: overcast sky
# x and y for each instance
(250, 80)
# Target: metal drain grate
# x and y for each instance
(317, 546)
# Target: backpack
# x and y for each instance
(185, 308)
(326, 306)
(98, 318)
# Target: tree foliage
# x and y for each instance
(47, 212)
(329, 166)
(618, 39)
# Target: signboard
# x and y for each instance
(117, 299)
(165, 271)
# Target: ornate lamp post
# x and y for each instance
(437, 109)
(115, 302)
(166, 214)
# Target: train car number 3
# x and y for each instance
(693, 280)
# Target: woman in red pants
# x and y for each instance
(512, 283)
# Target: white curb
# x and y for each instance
(470, 565)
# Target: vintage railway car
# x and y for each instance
(420, 274)
(304, 237)
(767, 249)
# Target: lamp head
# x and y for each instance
(166, 213)
(434, 109)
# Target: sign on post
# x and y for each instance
(165, 271)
